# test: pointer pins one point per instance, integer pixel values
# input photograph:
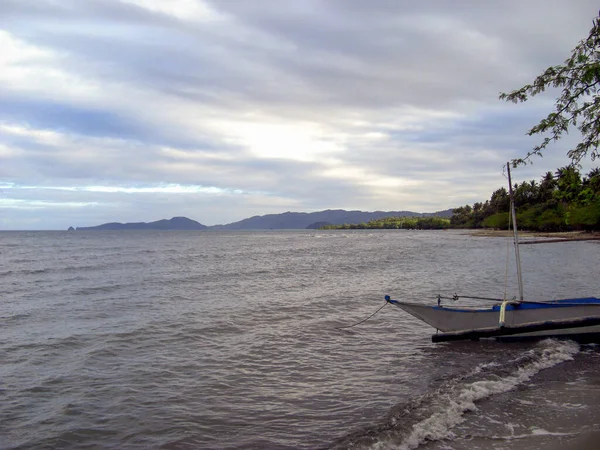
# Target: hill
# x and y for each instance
(297, 220)
(176, 223)
(284, 221)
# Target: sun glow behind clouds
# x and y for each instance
(367, 178)
(294, 141)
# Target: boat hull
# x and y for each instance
(565, 318)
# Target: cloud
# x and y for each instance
(141, 110)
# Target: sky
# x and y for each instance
(219, 110)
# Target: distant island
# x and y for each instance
(176, 223)
(284, 221)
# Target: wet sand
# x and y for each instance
(566, 407)
(589, 441)
(558, 409)
(563, 236)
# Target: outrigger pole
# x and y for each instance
(514, 221)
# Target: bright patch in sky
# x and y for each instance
(169, 189)
(42, 136)
(165, 189)
(35, 69)
(9, 203)
(300, 142)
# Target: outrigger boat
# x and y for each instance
(576, 318)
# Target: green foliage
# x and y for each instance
(552, 219)
(568, 184)
(529, 218)
(412, 223)
(462, 217)
(578, 105)
(586, 217)
(559, 202)
(498, 221)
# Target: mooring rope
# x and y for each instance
(364, 320)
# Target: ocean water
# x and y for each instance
(232, 340)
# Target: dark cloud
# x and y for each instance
(65, 117)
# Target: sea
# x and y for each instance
(258, 340)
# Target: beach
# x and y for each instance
(560, 235)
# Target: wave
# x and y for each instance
(433, 415)
(18, 317)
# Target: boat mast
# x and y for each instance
(514, 221)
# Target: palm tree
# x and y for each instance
(547, 187)
(568, 183)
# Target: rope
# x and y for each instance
(364, 320)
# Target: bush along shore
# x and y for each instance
(560, 202)
(391, 223)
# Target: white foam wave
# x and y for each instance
(452, 405)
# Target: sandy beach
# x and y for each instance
(589, 441)
(564, 236)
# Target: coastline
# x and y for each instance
(559, 236)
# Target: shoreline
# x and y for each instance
(559, 236)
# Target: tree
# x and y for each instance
(526, 193)
(499, 201)
(592, 180)
(590, 187)
(578, 104)
(547, 187)
(568, 182)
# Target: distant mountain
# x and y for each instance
(176, 223)
(295, 220)
(284, 221)
(444, 213)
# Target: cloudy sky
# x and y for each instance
(218, 110)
